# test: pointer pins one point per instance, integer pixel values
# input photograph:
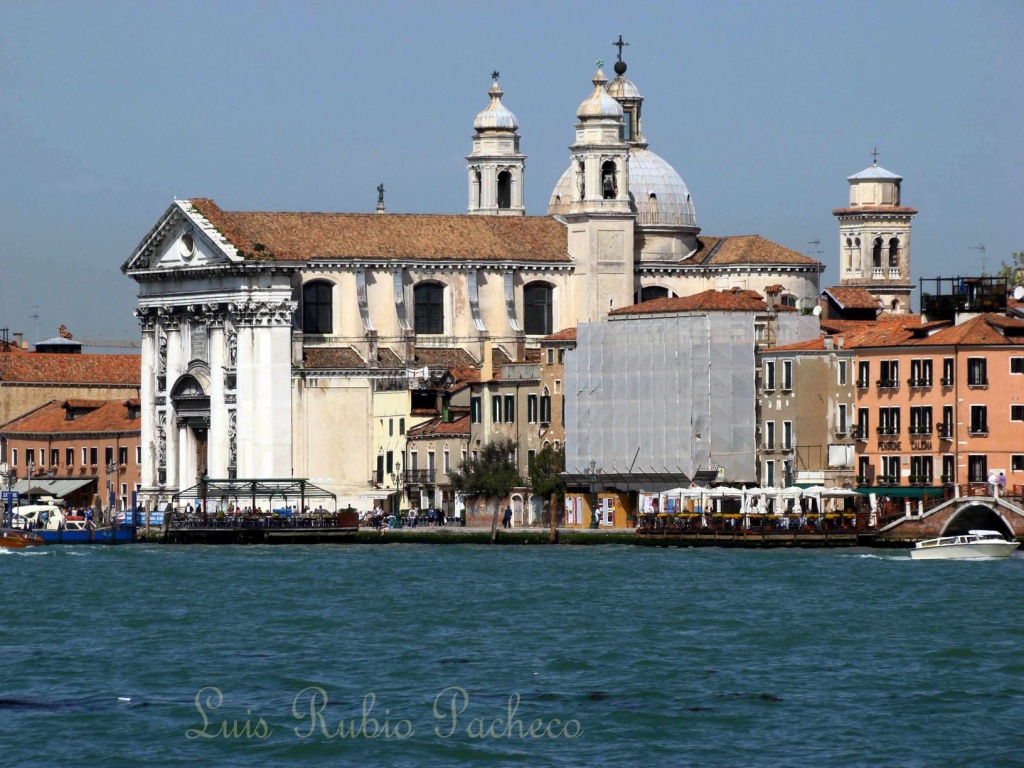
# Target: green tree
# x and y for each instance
(491, 475)
(1013, 270)
(546, 472)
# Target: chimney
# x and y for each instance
(487, 368)
(16, 340)
(828, 342)
(840, 341)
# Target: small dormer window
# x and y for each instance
(69, 414)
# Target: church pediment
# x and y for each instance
(181, 239)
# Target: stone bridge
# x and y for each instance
(958, 515)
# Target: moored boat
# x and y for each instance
(12, 538)
(973, 545)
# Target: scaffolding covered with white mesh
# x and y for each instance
(662, 401)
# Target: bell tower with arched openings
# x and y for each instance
(874, 238)
(495, 165)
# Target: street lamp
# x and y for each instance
(31, 466)
(593, 471)
(111, 468)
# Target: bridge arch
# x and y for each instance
(974, 517)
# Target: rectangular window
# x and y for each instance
(531, 409)
(769, 375)
(1017, 413)
(769, 473)
(920, 419)
(69, 458)
(401, 426)
(842, 373)
(447, 462)
(979, 420)
(787, 434)
(391, 427)
(1017, 462)
(561, 356)
(915, 372)
(496, 409)
(14, 457)
(558, 386)
(108, 455)
(85, 457)
(476, 455)
(510, 408)
(530, 456)
(863, 423)
(463, 455)
(122, 454)
(948, 371)
(977, 468)
(946, 427)
(30, 457)
(889, 374)
(545, 409)
(414, 460)
(769, 434)
(977, 373)
(866, 474)
(1017, 365)
(551, 355)
(431, 465)
(948, 469)
(841, 426)
(787, 374)
(864, 377)
(475, 410)
(138, 454)
(889, 421)
(390, 462)
(54, 457)
(927, 372)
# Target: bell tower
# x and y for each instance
(874, 238)
(600, 218)
(495, 165)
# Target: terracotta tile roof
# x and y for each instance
(386, 358)
(886, 330)
(438, 428)
(46, 368)
(566, 334)
(75, 404)
(533, 356)
(51, 418)
(747, 249)
(442, 357)
(874, 209)
(501, 357)
(978, 331)
(463, 375)
(403, 237)
(331, 358)
(706, 301)
(853, 297)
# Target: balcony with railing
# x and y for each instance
(859, 431)
(886, 430)
(944, 297)
(920, 429)
(888, 383)
(419, 476)
(945, 430)
(919, 383)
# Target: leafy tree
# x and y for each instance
(491, 475)
(546, 472)
(1013, 270)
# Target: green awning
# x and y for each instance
(901, 492)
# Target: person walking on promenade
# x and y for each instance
(993, 483)
(506, 521)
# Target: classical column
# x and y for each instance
(147, 399)
(186, 461)
(217, 437)
(174, 444)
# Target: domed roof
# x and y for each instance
(621, 88)
(649, 175)
(495, 116)
(876, 172)
(599, 104)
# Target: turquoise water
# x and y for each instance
(644, 657)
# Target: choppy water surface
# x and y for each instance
(615, 655)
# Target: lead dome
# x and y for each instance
(495, 116)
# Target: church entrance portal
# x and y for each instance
(192, 406)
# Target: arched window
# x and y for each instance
(537, 315)
(654, 205)
(649, 292)
(895, 305)
(429, 299)
(504, 189)
(894, 252)
(876, 253)
(581, 180)
(317, 309)
(478, 190)
(609, 187)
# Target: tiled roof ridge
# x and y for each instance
(110, 418)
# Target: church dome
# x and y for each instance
(622, 89)
(657, 194)
(495, 116)
(599, 105)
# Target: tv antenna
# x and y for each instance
(981, 249)
(34, 317)
(815, 243)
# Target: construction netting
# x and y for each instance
(663, 396)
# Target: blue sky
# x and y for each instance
(110, 110)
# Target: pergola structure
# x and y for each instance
(250, 490)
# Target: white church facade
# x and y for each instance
(271, 339)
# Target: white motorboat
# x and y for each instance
(972, 545)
